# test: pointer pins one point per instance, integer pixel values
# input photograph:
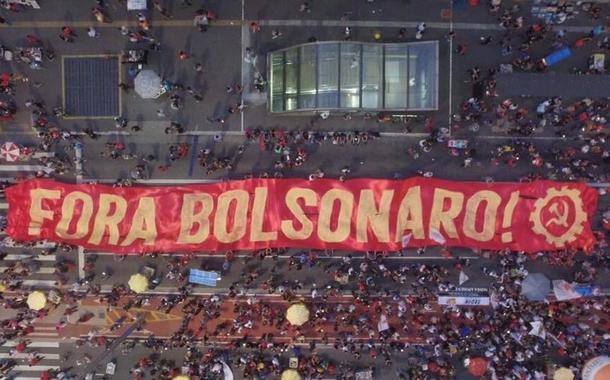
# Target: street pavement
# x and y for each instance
(220, 51)
(48, 349)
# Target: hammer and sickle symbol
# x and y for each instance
(561, 218)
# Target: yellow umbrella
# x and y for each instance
(181, 377)
(37, 300)
(563, 373)
(138, 283)
(2, 287)
(297, 314)
(291, 374)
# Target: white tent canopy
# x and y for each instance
(148, 84)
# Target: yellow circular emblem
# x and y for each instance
(559, 217)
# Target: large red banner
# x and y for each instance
(358, 215)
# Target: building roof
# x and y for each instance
(353, 76)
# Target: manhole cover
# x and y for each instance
(91, 86)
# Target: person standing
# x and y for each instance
(67, 34)
(419, 30)
(92, 32)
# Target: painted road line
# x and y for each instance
(39, 283)
(34, 368)
(193, 147)
(240, 134)
(38, 378)
(160, 181)
(21, 168)
(227, 340)
(412, 340)
(78, 162)
(260, 294)
(39, 271)
(26, 356)
(9, 243)
(381, 134)
(319, 257)
(226, 133)
(450, 37)
(15, 257)
(13, 343)
(81, 263)
(280, 22)
(43, 155)
(104, 133)
(402, 24)
(212, 133)
(43, 334)
(77, 133)
(505, 137)
(245, 68)
(175, 23)
(45, 328)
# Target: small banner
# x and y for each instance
(356, 215)
(465, 297)
(202, 277)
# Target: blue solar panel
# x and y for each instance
(203, 277)
(91, 86)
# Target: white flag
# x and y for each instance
(537, 329)
(406, 239)
(494, 300)
(564, 290)
(463, 277)
(437, 236)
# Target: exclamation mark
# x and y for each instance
(507, 219)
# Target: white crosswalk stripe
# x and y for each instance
(4, 355)
(40, 269)
(9, 243)
(9, 174)
(19, 169)
(49, 351)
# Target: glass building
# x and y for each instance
(354, 76)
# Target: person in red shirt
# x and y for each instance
(20, 347)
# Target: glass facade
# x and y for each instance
(354, 76)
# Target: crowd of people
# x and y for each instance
(249, 332)
(433, 339)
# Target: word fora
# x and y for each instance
(359, 214)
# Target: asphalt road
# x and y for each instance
(220, 51)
